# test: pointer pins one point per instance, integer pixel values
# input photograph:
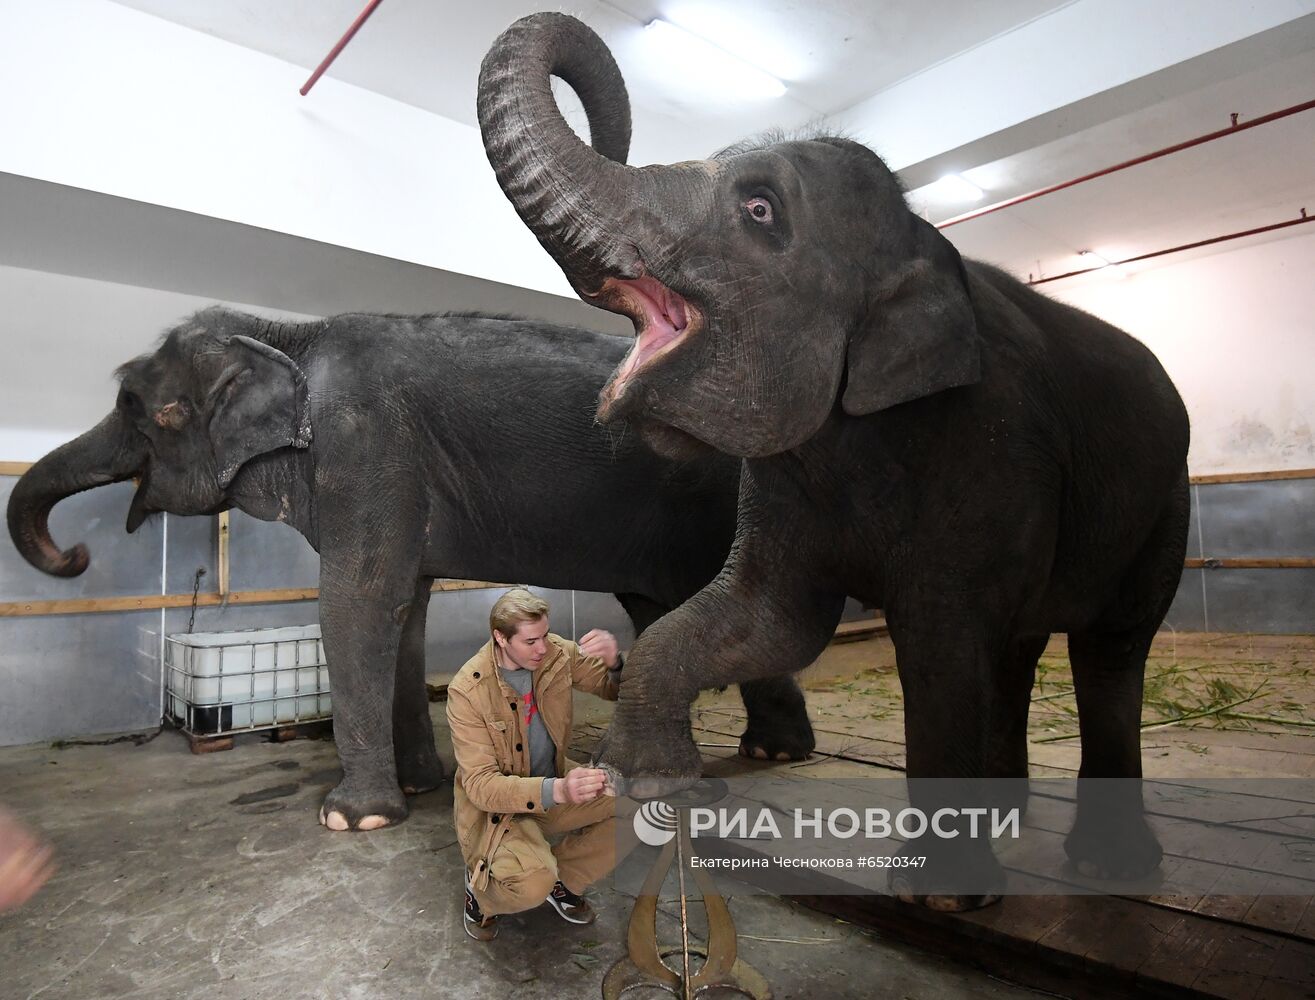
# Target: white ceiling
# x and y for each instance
(836, 54)
(831, 53)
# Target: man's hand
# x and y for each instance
(601, 644)
(24, 863)
(581, 785)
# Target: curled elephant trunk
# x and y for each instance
(108, 453)
(574, 198)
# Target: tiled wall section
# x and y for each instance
(75, 675)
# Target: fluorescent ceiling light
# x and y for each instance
(689, 56)
(1093, 258)
(950, 190)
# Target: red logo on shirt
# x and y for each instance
(530, 707)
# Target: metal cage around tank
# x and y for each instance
(219, 683)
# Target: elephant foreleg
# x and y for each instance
(949, 661)
(418, 766)
(747, 624)
(367, 594)
(778, 727)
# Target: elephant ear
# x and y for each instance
(920, 334)
(257, 405)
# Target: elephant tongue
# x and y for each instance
(661, 315)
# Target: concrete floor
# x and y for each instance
(188, 876)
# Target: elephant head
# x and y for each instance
(188, 417)
(766, 284)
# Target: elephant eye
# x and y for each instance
(128, 402)
(759, 209)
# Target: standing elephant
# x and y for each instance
(925, 434)
(403, 449)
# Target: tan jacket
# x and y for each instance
(492, 783)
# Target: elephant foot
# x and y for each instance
(947, 877)
(418, 777)
(356, 807)
(943, 903)
(648, 765)
(778, 744)
(1112, 849)
(778, 726)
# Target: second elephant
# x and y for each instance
(404, 449)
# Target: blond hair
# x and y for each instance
(513, 609)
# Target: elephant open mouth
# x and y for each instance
(663, 319)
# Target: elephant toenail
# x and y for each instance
(336, 821)
(782, 756)
(372, 823)
(759, 753)
(945, 904)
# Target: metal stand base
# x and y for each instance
(645, 964)
(626, 975)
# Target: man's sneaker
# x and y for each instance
(478, 926)
(573, 908)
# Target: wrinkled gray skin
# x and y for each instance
(408, 448)
(929, 436)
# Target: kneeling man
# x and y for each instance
(509, 709)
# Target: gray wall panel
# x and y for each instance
(1187, 613)
(74, 675)
(121, 564)
(1193, 536)
(1260, 600)
(1259, 519)
(242, 616)
(193, 545)
(267, 555)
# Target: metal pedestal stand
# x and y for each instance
(645, 965)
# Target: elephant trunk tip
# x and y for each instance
(69, 562)
(72, 562)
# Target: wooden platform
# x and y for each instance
(1217, 706)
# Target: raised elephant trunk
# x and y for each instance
(108, 453)
(581, 203)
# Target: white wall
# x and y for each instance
(63, 338)
(102, 97)
(1236, 332)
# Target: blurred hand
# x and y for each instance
(581, 785)
(25, 863)
(601, 644)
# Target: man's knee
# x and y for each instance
(522, 891)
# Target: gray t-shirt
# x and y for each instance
(543, 752)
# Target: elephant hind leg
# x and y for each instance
(1006, 749)
(419, 768)
(1110, 838)
(1109, 658)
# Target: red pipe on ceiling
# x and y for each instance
(1177, 147)
(1304, 218)
(342, 44)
